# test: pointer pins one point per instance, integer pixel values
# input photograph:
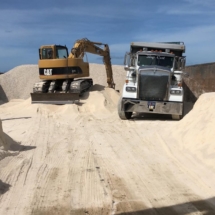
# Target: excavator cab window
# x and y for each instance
(61, 52)
(47, 53)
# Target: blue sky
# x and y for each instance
(26, 25)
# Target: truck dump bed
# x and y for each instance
(178, 48)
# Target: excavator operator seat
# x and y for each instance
(47, 53)
(50, 54)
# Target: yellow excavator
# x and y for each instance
(64, 75)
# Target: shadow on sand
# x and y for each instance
(200, 207)
(205, 207)
(15, 118)
(152, 117)
(4, 187)
(12, 145)
(3, 97)
(97, 87)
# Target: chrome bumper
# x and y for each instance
(160, 107)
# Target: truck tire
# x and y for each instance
(176, 117)
(122, 114)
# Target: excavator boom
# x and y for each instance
(84, 45)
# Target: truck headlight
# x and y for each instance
(175, 92)
(130, 89)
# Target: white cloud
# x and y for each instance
(182, 11)
(23, 31)
(120, 48)
(189, 7)
(195, 35)
(99, 11)
(198, 42)
(206, 3)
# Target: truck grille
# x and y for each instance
(153, 86)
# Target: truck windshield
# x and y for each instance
(158, 60)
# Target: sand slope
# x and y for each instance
(82, 159)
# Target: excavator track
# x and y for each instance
(60, 91)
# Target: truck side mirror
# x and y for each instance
(127, 59)
(129, 68)
(182, 62)
(129, 62)
(185, 74)
(126, 67)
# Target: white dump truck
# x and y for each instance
(154, 79)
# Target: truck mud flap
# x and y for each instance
(54, 98)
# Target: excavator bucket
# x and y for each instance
(54, 98)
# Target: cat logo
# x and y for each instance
(47, 71)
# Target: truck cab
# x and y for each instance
(154, 80)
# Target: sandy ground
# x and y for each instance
(82, 159)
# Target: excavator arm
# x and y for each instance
(84, 45)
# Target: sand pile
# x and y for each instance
(98, 74)
(194, 134)
(18, 82)
(100, 100)
(99, 104)
(197, 128)
(81, 158)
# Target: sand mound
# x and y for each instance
(98, 74)
(98, 102)
(194, 135)
(84, 154)
(197, 128)
(18, 82)
(101, 100)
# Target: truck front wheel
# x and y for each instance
(122, 114)
(176, 117)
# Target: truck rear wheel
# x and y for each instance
(178, 117)
(122, 114)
